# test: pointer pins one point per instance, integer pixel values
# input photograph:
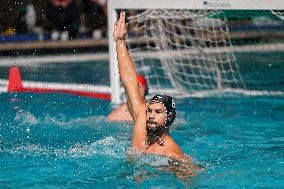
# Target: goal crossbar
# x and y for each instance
(198, 4)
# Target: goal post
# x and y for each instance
(193, 43)
(113, 66)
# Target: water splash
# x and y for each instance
(25, 118)
(108, 147)
(61, 120)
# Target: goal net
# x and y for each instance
(202, 48)
(183, 48)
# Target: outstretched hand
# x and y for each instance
(120, 28)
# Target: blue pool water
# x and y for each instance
(66, 142)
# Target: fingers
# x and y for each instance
(122, 19)
(120, 25)
(122, 16)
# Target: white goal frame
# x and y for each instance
(114, 5)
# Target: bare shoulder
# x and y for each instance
(173, 148)
(121, 113)
(123, 108)
(176, 154)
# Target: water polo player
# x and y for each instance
(151, 120)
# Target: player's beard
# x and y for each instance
(154, 133)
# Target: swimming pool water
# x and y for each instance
(64, 141)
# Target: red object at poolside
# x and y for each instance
(16, 85)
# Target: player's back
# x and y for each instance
(121, 114)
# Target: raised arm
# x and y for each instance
(126, 68)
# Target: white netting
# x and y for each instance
(279, 13)
(188, 50)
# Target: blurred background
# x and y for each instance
(33, 20)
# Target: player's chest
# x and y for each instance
(155, 149)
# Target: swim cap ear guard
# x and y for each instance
(169, 104)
